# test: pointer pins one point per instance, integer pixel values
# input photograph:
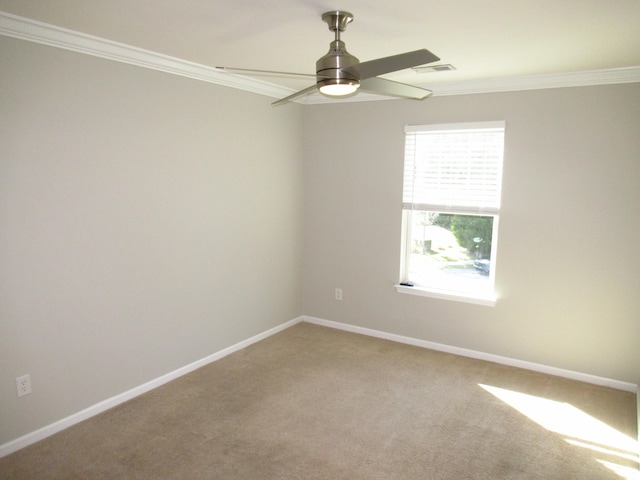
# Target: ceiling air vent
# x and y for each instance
(434, 68)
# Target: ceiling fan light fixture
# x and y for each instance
(339, 87)
(339, 74)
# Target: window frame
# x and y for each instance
(482, 297)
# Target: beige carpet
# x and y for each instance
(318, 403)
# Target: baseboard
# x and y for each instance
(100, 407)
(583, 377)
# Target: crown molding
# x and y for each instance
(54, 36)
(537, 82)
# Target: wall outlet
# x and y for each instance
(23, 385)
(338, 294)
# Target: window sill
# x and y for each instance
(487, 300)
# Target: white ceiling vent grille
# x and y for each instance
(434, 68)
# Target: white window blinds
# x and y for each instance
(454, 168)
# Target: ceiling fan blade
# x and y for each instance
(265, 72)
(380, 66)
(394, 89)
(291, 97)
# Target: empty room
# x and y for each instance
(304, 240)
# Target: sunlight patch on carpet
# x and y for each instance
(607, 451)
(625, 472)
(584, 430)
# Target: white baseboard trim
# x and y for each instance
(42, 433)
(100, 407)
(559, 372)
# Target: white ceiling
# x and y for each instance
(483, 39)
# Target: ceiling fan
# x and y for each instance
(339, 74)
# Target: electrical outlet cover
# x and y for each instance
(23, 385)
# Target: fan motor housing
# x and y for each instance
(330, 68)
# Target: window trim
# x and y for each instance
(488, 297)
(488, 300)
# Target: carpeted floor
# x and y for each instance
(318, 403)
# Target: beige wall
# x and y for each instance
(140, 232)
(568, 264)
(146, 222)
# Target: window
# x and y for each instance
(451, 205)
